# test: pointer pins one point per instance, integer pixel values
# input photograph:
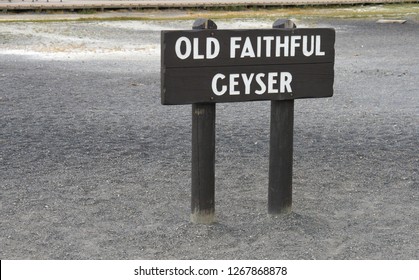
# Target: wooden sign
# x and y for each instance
(211, 66)
(205, 66)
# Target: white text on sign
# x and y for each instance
(243, 47)
(267, 83)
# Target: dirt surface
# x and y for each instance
(93, 167)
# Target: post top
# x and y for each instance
(204, 23)
(284, 23)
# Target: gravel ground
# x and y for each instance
(93, 167)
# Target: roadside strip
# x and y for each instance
(101, 5)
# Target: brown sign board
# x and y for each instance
(208, 66)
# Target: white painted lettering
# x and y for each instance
(284, 46)
(213, 48)
(268, 40)
(251, 83)
(214, 85)
(276, 46)
(261, 84)
(294, 44)
(259, 47)
(307, 52)
(285, 82)
(178, 48)
(233, 84)
(234, 46)
(247, 49)
(272, 81)
(247, 82)
(196, 54)
(318, 43)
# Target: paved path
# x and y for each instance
(6, 5)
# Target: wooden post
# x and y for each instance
(203, 153)
(281, 150)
